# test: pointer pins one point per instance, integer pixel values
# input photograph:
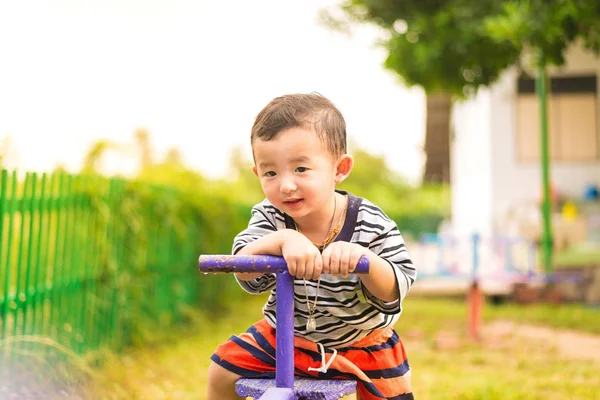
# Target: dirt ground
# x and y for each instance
(569, 344)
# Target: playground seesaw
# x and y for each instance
(285, 386)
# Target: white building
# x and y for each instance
(495, 167)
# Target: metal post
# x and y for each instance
(474, 296)
(545, 159)
(531, 257)
(284, 362)
(475, 242)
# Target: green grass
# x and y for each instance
(578, 256)
(522, 371)
(567, 316)
(510, 369)
(175, 369)
(431, 315)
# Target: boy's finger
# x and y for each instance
(353, 262)
(334, 262)
(309, 268)
(318, 269)
(325, 261)
(345, 264)
(291, 266)
(300, 268)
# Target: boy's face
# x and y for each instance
(297, 173)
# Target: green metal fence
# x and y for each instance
(85, 261)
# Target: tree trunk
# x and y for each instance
(437, 139)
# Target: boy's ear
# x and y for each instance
(254, 170)
(344, 167)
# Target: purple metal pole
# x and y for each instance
(284, 361)
(266, 264)
(229, 263)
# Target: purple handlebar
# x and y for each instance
(284, 360)
(229, 263)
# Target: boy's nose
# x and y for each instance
(287, 186)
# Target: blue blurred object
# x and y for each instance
(590, 193)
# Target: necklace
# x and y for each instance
(311, 323)
(330, 231)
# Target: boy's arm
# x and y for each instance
(262, 224)
(269, 244)
(381, 280)
(392, 272)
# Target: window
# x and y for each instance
(572, 120)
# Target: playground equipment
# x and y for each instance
(498, 259)
(284, 386)
(492, 265)
(475, 260)
(501, 258)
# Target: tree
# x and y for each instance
(456, 46)
(93, 158)
(374, 180)
(170, 171)
(546, 27)
(452, 47)
(436, 45)
(142, 140)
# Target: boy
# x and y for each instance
(299, 148)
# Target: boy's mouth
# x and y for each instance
(292, 202)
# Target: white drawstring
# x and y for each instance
(324, 366)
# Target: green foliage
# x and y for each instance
(422, 210)
(244, 186)
(372, 179)
(166, 229)
(416, 210)
(455, 46)
(438, 45)
(93, 158)
(548, 27)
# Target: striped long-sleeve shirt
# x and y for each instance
(346, 311)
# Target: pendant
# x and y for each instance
(311, 324)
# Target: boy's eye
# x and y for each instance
(270, 173)
(301, 169)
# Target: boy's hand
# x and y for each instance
(302, 257)
(340, 258)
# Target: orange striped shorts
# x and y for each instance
(377, 362)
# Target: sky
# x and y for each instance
(194, 73)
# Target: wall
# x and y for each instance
(490, 187)
(471, 165)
